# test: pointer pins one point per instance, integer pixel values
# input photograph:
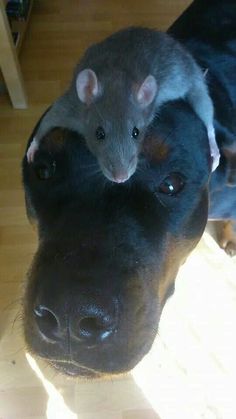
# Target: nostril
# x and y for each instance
(47, 322)
(89, 326)
(95, 328)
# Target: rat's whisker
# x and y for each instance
(89, 166)
(91, 174)
(161, 202)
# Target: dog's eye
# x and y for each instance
(45, 171)
(172, 184)
(135, 132)
(100, 133)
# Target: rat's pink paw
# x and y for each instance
(31, 150)
(215, 153)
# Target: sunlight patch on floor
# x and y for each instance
(56, 407)
(191, 370)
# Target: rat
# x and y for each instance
(117, 89)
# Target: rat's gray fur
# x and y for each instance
(121, 64)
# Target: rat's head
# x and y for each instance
(115, 118)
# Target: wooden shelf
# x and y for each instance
(9, 63)
(20, 25)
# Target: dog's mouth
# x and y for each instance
(72, 369)
(112, 367)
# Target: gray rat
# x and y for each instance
(117, 88)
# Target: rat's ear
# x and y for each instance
(147, 91)
(87, 85)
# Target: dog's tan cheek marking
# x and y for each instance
(167, 271)
(228, 233)
(155, 149)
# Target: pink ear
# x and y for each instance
(87, 85)
(147, 91)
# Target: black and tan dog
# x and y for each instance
(108, 254)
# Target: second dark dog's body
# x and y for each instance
(108, 254)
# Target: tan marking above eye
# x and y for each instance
(155, 149)
(55, 139)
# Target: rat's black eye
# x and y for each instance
(135, 132)
(100, 133)
(172, 184)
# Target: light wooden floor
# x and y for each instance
(58, 33)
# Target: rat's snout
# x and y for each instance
(88, 322)
(120, 176)
(121, 169)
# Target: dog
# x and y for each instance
(109, 253)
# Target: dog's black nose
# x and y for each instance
(91, 324)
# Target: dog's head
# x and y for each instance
(108, 254)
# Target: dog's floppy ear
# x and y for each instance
(147, 91)
(87, 86)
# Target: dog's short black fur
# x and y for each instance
(108, 254)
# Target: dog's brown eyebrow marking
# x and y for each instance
(55, 139)
(155, 149)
